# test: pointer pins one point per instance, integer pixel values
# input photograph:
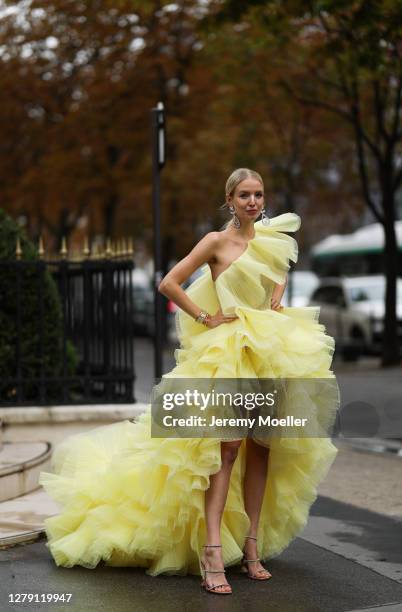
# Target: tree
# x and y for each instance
(80, 80)
(350, 65)
(76, 86)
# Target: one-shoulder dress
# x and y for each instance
(130, 499)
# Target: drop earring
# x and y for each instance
(236, 220)
(264, 217)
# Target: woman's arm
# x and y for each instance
(277, 294)
(203, 252)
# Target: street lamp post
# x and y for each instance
(158, 161)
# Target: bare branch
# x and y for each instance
(355, 113)
(313, 102)
(326, 82)
(379, 110)
(395, 132)
(361, 155)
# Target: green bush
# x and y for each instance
(32, 362)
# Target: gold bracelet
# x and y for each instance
(203, 317)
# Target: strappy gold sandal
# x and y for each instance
(245, 570)
(208, 587)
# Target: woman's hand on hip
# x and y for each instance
(218, 318)
(275, 304)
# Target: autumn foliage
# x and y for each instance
(78, 80)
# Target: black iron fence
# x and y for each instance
(70, 336)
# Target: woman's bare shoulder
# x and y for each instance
(211, 240)
(214, 237)
(209, 245)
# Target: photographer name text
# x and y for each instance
(261, 421)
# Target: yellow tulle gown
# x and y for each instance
(130, 499)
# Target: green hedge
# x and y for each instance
(29, 331)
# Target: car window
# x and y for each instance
(369, 292)
(331, 294)
(338, 296)
(323, 295)
(358, 294)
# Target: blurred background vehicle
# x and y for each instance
(356, 254)
(352, 310)
(302, 283)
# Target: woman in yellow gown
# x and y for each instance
(195, 505)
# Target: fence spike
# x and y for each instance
(86, 251)
(63, 250)
(119, 248)
(18, 250)
(108, 252)
(123, 247)
(130, 249)
(41, 248)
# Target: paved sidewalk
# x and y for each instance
(370, 481)
(21, 518)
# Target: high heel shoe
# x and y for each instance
(208, 587)
(245, 569)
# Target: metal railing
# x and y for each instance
(71, 336)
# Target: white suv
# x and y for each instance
(352, 310)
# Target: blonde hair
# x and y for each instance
(237, 176)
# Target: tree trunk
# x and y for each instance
(391, 342)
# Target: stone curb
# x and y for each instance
(27, 537)
(376, 445)
(65, 414)
(15, 468)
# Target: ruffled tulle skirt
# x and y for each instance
(129, 499)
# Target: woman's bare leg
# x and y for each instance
(215, 499)
(254, 486)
